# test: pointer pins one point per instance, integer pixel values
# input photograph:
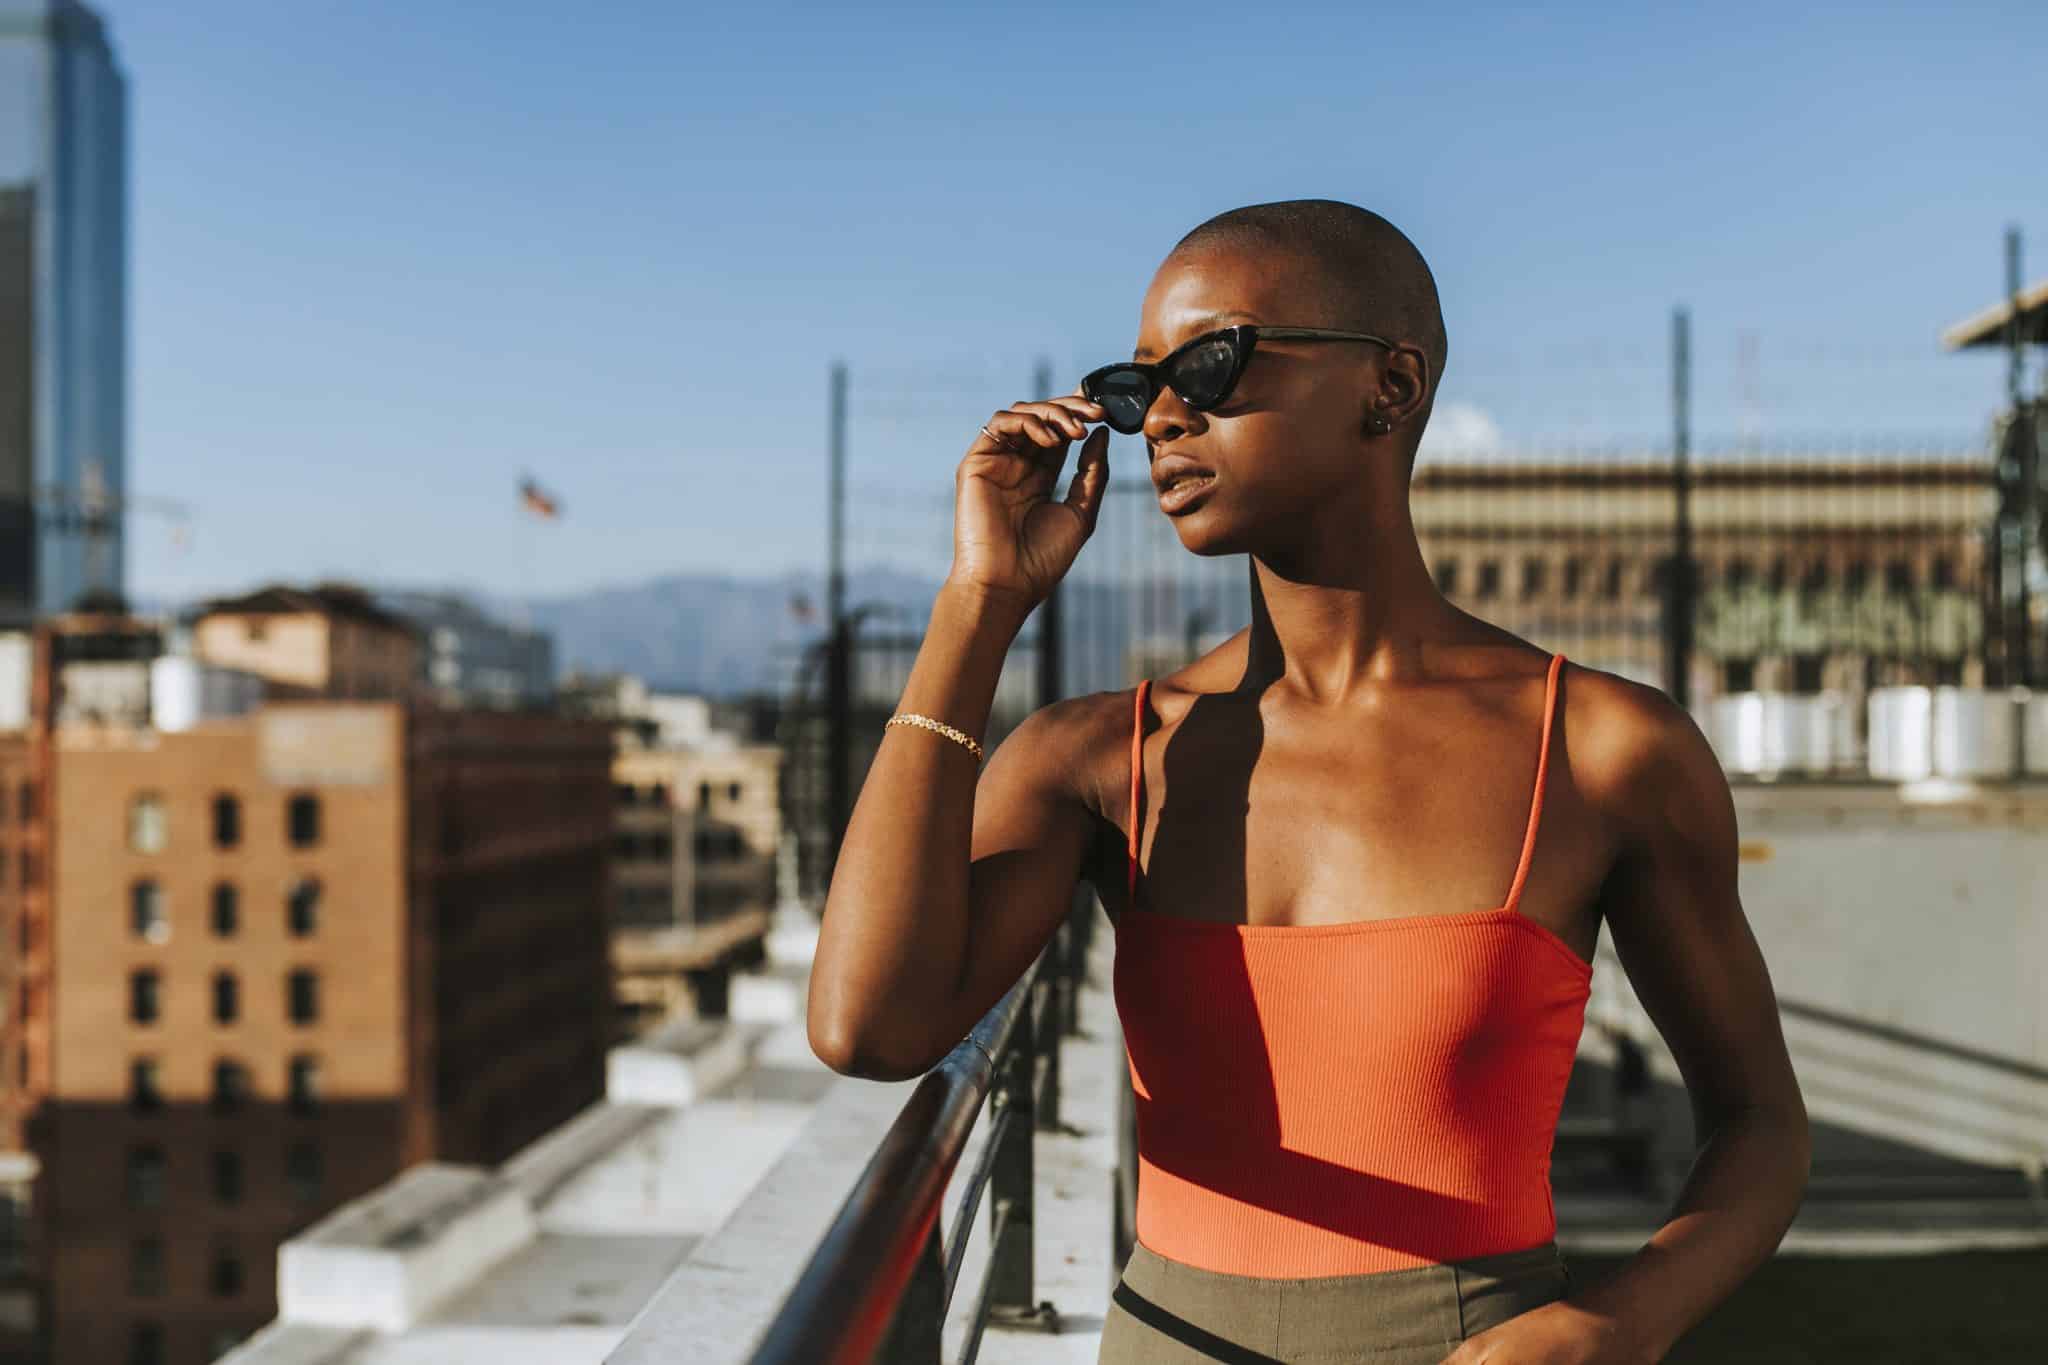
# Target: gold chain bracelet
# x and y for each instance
(927, 723)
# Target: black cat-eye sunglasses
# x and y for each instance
(1202, 371)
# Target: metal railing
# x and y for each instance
(878, 1286)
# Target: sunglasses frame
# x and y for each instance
(1245, 338)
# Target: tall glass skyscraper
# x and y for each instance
(63, 308)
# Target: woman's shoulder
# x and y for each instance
(1079, 742)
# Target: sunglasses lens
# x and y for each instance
(1124, 395)
(1204, 374)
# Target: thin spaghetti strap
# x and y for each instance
(1536, 798)
(1137, 785)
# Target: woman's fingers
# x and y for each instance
(1039, 431)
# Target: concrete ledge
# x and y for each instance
(547, 1162)
(793, 935)
(294, 1343)
(761, 998)
(386, 1260)
(721, 1299)
(675, 1065)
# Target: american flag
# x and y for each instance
(539, 503)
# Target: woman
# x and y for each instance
(1357, 856)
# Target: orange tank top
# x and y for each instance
(1341, 1099)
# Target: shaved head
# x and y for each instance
(1360, 272)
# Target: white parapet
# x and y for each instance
(676, 1064)
(386, 1260)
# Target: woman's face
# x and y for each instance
(1286, 444)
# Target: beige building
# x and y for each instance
(327, 641)
(1822, 572)
(274, 959)
(695, 834)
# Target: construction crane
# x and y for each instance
(93, 511)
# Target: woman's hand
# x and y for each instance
(1010, 539)
(1556, 1333)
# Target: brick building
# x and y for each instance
(272, 960)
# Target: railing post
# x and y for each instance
(914, 1332)
(1046, 1030)
(1011, 1178)
(1074, 964)
(1123, 1201)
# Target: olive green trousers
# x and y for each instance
(1163, 1312)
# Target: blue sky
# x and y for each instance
(389, 255)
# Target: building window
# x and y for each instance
(227, 910)
(227, 821)
(302, 907)
(142, 997)
(1856, 578)
(305, 1085)
(146, 823)
(227, 1177)
(303, 1172)
(1532, 577)
(658, 794)
(146, 1268)
(1736, 572)
(227, 998)
(145, 1092)
(1574, 576)
(626, 792)
(146, 1344)
(1942, 573)
(302, 996)
(1815, 579)
(255, 628)
(1489, 578)
(661, 845)
(1447, 577)
(230, 1087)
(26, 803)
(145, 1177)
(226, 1278)
(1611, 584)
(703, 795)
(29, 869)
(732, 791)
(146, 918)
(1898, 578)
(1779, 574)
(622, 847)
(302, 820)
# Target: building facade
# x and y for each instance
(1818, 573)
(63, 308)
(330, 640)
(270, 961)
(696, 830)
(469, 659)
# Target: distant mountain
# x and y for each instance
(716, 634)
(711, 633)
(727, 636)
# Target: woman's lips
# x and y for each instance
(1182, 494)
